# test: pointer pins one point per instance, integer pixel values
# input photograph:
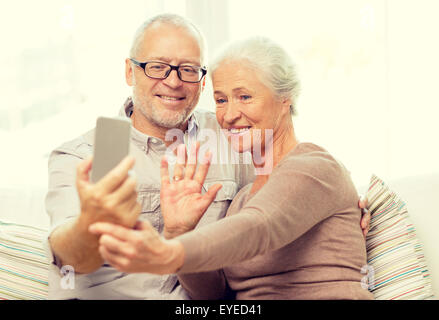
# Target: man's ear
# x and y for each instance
(204, 84)
(129, 72)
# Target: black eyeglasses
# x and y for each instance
(161, 70)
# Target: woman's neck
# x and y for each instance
(282, 143)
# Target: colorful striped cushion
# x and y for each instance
(396, 262)
(23, 263)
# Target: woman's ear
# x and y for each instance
(286, 106)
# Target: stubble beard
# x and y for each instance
(161, 117)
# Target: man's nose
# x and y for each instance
(173, 80)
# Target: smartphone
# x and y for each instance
(111, 145)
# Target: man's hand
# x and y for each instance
(182, 203)
(112, 199)
(365, 218)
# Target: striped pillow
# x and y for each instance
(396, 263)
(23, 263)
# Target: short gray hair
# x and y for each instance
(170, 19)
(277, 70)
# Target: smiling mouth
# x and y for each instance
(169, 98)
(238, 130)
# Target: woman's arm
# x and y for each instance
(210, 285)
(301, 192)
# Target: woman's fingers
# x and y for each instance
(186, 165)
(210, 195)
(113, 245)
(181, 162)
(143, 225)
(365, 223)
(192, 161)
(119, 232)
(115, 251)
(365, 215)
(362, 203)
(203, 168)
(117, 261)
(365, 220)
(164, 171)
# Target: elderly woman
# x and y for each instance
(292, 234)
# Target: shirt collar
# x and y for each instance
(143, 140)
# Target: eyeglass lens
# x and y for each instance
(161, 71)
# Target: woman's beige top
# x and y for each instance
(298, 237)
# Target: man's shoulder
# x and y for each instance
(80, 146)
(206, 119)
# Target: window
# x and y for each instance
(62, 66)
(368, 77)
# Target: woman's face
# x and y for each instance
(246, 108)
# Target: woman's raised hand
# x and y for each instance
(182, 202)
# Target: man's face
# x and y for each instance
(165, 103)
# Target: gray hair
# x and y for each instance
(170, 19)
(277, 70)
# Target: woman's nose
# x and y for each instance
(232, 113)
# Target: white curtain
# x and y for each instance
(369, 74)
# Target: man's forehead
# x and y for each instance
(170, 43)
(175, 59)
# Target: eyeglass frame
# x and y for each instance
(176, 68)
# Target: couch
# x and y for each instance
(22, 274)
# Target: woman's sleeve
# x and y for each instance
(299, 194)
(210, 285)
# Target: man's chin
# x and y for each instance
(170, 121)
(163, 117)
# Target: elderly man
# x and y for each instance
(160, 101)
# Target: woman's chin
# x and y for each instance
(241, 147)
